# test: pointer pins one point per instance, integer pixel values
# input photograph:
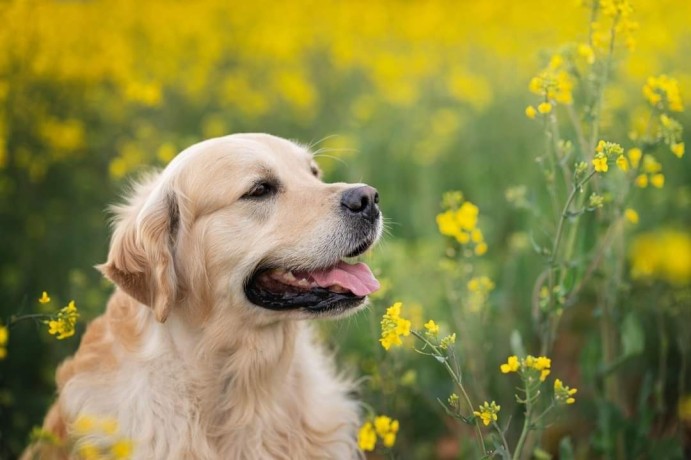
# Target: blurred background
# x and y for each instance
(413, 97)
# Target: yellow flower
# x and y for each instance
(432, 328)
(121, 449)
(623, 163)
(511, 365)
(658, 180)
(488, 412)
(4, 337)
(393, 327)
(663, 254)
(678, 149)
(480, 248)
(660, 89)
(641, 181)
(563, 394)
(88, 451)
(530, 112)
(63, 324)
(84, 424)
(367, 437)
(631, 215)
(44, 298)
(635, 155)
(651, 165)
(447, 341)
(544, 108)
(600, 164)
(386, 429)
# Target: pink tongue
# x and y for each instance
(357, 278)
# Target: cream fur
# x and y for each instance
(188, 367)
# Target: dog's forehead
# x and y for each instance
(245, 152)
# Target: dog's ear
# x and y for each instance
(140, 260)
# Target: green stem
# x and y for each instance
(457, 380)
(526, 422)
(15, 319)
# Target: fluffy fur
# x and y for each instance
(185, 364)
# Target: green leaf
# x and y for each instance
(517, 343)
(632, 335)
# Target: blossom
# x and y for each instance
(393, 327)
(526, 366)
(663, 90)
(677, 149)
(367, 437)
(600, 163)
(658, 180)
(563, 394)
(432, 328)
(383, 427)
(544, 108)
(488, 412)
(121, 449)
(447, 341)
(530, 112)
(631, 215)
(479, 288)
(641, 181)
(4, 337)
(460, 222)
(635, 155)
(623, 163)
(44, 298)
(511, 365)
(63, 324)
(386, 429)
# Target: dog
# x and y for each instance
(202, 352)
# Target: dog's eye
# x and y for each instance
(260, 190)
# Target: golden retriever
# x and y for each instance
(201, 353)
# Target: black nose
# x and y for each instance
(361, 200)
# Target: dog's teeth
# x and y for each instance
(288, 276)
(338, 288)
(304, 283)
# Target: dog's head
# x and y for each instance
(245, 222)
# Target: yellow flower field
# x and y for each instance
(532, 165)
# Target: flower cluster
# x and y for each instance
(63, 324)
(563, 394)
(432, 329)
(651, 173)
(670, 132)
(4, 337)
(459, 221)
(662, 92)
(488, 412)
(604, 151)
(619, 13)
(383, 427)
(528, 366)
(98, 439)
(393, 327)
(479, 288)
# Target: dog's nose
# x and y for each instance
(361, 200)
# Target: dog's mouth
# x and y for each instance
(337, 287)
